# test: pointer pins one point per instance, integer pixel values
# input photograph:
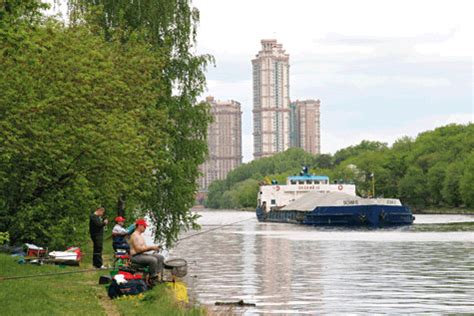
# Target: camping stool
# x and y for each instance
(139, 268)
(135, 267)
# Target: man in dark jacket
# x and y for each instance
(96, 229)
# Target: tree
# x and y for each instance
(435, 179)
(70, 126)
(216, 189)
(414, 170)
(88, 115)
(242, 182)
(451, 185)
(412, 187)
(169, 27)
(323, 161)
(466, 183)
(246, 192)
(352, 151)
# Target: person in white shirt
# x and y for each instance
(118, 235)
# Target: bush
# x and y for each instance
(4, 238)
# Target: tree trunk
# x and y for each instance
(121, 206)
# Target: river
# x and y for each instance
(292, 269)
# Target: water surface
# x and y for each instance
(293, 269)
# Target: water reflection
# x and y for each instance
(290, 269)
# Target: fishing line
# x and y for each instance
(215, 228)
(2, 278)
(49, 274)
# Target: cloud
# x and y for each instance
(247, 147)
(358, 91)
(338, 139)
(342, 39)
(382, 69)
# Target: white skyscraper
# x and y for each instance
(271, 100)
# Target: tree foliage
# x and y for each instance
(466, 184)
(169, 27)
(97, 110)
(435, 169)
(239, 189)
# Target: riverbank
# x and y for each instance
(448, 227)
(78, 293)
(440, 211)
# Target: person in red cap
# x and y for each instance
(118, 235)
(138, 247)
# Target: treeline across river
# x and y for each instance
(434, 170)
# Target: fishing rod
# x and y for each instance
(64, 255)
(2, 278)
(215, 228)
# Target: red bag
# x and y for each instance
(130, 276)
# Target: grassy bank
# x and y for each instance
(52, 295)
(77, 294)
(448, 227)
(155, 303)
(457, 211)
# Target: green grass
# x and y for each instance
(159, 299)
(76, 294)
(441, 210)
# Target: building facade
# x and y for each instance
(271, 100)
(305, 117)
(224, 140)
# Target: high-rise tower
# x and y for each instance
(224, 140)
(271, 100)
(305, 123)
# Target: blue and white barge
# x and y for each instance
(311, 200)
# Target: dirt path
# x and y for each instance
(107, 304)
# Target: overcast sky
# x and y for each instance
(382, 69)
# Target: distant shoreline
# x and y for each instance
(455, 211)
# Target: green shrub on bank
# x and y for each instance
(4, 238)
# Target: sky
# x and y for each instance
(382, 69)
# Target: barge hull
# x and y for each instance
(357, 215)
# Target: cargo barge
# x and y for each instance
(311, 200)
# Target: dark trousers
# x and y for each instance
(98, 242)
(154, 262)
(123, 246)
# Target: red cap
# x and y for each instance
(119, 219)
(141, 221)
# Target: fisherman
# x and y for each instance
(138, 247)
(96, 230)
(118, 235)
